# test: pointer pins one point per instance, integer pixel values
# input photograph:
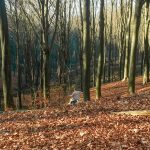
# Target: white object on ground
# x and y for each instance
(75, 97)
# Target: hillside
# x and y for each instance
(91, 125)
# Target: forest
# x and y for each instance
(74, 74)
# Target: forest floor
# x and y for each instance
(117, 121)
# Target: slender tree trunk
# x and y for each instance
(68, 44)
(136, 25)
(86, 50)
(5, 51)
(121, 39)
(64, 49)
(141, 56)
(18, 56)
(45, 48)
(101, 53)
(81, 45)
(93, 38)
(146, 51)
(28, 62)
(41, 70)
(127, 52)
(110, 43)
(46, 73)
(105, 44)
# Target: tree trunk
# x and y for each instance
(46, 73)
(18, 56)
(127, 52)
(86, 50)
(101, 53)
(136, 25)
(110, 43)
(146, 51)
(81, 46)
(45, 48)
(6, 68)
(93, 38)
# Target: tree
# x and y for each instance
(81, 43)
(45, 72)
(93, 40)
(101, 52)
(45, 53)
(6, 68)
(64, 40)
(18, 55)
(122, 37)
(110, 42)
(86, 50)
(136, 25)
(146, 51)
(128, 35)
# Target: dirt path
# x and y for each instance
(134, 113)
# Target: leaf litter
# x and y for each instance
(88, 126)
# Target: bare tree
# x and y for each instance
(146, 51)
(18, 54)
(86, 50)
(136, 25)
(127, 42)
(101, 52)
(5, 50)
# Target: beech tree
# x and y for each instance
(132, 65)
(45, 72)
(86, 50)
(127, 41)
(146, 48)
(5, 52)
(18, 54)
(110, 42)
(46, 49)
(101, 52)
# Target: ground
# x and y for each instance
(100, 125)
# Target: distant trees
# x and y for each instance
(58, 42)
(5, 51)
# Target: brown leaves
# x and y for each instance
(90, 125)
(42, 129)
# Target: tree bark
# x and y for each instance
(45, 75)
(81, 46)
(146, 51)
(127, 52)
(110, 43)
(101, 52)
(136, 25)
(93, 39)
(18, 55)
(6, 67)
(86, 50)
